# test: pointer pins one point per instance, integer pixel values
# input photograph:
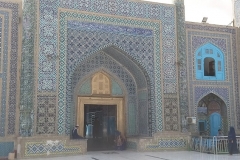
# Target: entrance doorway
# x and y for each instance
(109, 107)
(212, 115)
(100, 123)
(215, 123)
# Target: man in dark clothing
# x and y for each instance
(75, 133)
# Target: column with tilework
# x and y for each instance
(10, 54)
(27, 69)
(238, 59)
(181, 63)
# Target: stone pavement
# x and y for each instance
(131, 155)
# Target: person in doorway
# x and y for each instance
(75, 133)
(232, 141)
(119, 141)
(96, 128)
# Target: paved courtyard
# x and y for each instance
(130, 155)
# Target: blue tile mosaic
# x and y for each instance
(108, 28)
(116, 89)
(50, 147)
(9, 117)
(224, 39)
(168, 143)
(28, 76)
(1, 28)
(85, 88)
(129, 9)
(6, 148)
(46, 115)
(182, 61)
(106, 40)
(142, 110)
(100, 61)
(4, 69)
(13, 66)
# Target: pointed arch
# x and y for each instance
(211, 92)
(126, 60)
(207, 105)
(89, 78)
(209, 63)
(126, 70)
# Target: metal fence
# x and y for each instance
(208, 144)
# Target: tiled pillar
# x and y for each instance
(181, 63)
(27, 69)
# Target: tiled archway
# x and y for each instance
(208, 105)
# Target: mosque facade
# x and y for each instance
(136, 66)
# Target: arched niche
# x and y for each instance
(208, 105)
(128, 75)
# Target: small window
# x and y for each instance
(199, 64)
(207, 51)
(209, 63)
(202, 127)
(209, 67)
(219, 66)
(211, 51)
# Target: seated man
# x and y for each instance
(75, 133)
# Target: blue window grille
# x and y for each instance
(209, 63)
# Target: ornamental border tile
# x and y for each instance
(10, 77)
(4, 73)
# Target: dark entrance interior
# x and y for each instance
(100, 126)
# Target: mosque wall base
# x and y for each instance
(49, 146)
(161, 141)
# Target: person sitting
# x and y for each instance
(75, 133)
(120, 141)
